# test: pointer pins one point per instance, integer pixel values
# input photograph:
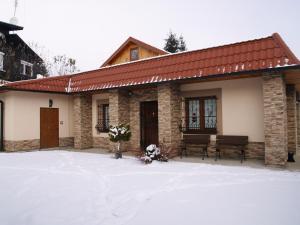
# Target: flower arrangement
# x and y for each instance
(119, 134)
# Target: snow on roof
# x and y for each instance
(253, 55)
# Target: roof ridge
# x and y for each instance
(172, 54)
(277, 38)
(151, 46)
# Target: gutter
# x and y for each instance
(179, 80)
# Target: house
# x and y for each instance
(17, 60)
(132, 50)
(247, 88)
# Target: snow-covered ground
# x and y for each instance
(71, 188)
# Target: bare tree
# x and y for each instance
(56, 65)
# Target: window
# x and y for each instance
(201, 115)
(1, 61)
(26, 68)
(134, 54)
(103, 118)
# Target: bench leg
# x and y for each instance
(181, 153)
(243, 155)
(218, 154)
(204, 153)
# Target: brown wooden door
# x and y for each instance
(49, 136)
(149, 123)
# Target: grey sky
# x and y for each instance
(90, 30)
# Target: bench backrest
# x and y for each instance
(232, 140)
(196, 139)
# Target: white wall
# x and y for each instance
(242, 106)
(22, 114)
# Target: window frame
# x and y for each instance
(138, 56)
(25, 64)
(106, 123)
(2, 54)
(202, 129)
(102, 122)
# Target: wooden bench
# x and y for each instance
(231, 142)
(202, 140)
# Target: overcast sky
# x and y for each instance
(91, 30)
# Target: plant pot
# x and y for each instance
(291, 157)
(118, 155)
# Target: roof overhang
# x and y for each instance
(292, 76)
(9, 27)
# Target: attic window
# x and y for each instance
(1, 60)
(26, 68)
(134, 54)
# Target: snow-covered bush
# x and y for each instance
(152, 152)
(118, 134)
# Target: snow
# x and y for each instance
(61, 187)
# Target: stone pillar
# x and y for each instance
(298, 126)
(291, 118)
(118, 111)
(83, 122)
(169, 114)
(275, 120)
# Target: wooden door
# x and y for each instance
(149, 123)
(49, 129)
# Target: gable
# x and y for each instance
(122, 54)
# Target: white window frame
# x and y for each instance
(2, 61)
(24, 64)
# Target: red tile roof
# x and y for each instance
(264, 53)
(137, 42)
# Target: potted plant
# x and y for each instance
(118, 134)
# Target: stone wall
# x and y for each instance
(22, 145)
(12, 146)
(66, 142)
(101, 142)
(83, 121)
(298, 126)
(291, 117)
(118, 111)
(275, 120)
(169, 115)
(138, 96)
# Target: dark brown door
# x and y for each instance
(49, 127)
(149, 123)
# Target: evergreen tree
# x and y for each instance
(174, 44)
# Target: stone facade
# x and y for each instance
(138, 96)
(22, 145)
(118, 111)
(101, 142)
(275, 120)
(298, 126)
(83, 121)
(169, 117)
(291, 117)
(66, 142)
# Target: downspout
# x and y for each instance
(1, 125)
